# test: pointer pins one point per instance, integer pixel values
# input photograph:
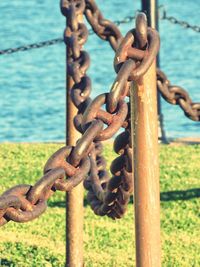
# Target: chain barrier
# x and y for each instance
(108, 31)
(70, 165)
(172, 94)
(173, 20)
(176, 95)
(31, 46)
(98, 120)
(127, 19)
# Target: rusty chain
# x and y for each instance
(112, 196)
(101, 198)
(68, 166)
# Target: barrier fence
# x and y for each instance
(131, 105)
(128, 19)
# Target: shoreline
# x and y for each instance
(171, 141)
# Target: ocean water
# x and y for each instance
(32, 84)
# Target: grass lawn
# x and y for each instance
(106, 242)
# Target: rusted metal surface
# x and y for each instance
(111, 198)
(81, 162)
(150, 7)
(146, 173)
(84, 160)
(96, 120)
(88, 112)
(24, 203)
(74, 198)
(75, 36)
(107, 196)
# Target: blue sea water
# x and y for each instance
(32, 84)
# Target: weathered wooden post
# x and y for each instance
(74, 198)
(146, 173)
(150, 7)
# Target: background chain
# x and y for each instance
(176, 95)
(107, 196)
(163, 16)
(23, 203)
(31, 46)
(127, 19)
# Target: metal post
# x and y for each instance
(146, 173)
(150, 7)
(74, 198)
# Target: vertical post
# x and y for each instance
(146, 173)
(150, 7)
(74, 198)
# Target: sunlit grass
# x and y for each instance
(106, 242)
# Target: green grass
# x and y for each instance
(106, 242)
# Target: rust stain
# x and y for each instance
(141, 94)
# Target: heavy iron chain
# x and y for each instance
(121, 167)
(110, 196)
(70, 165)
(78, 63)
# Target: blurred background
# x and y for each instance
(32, 83)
